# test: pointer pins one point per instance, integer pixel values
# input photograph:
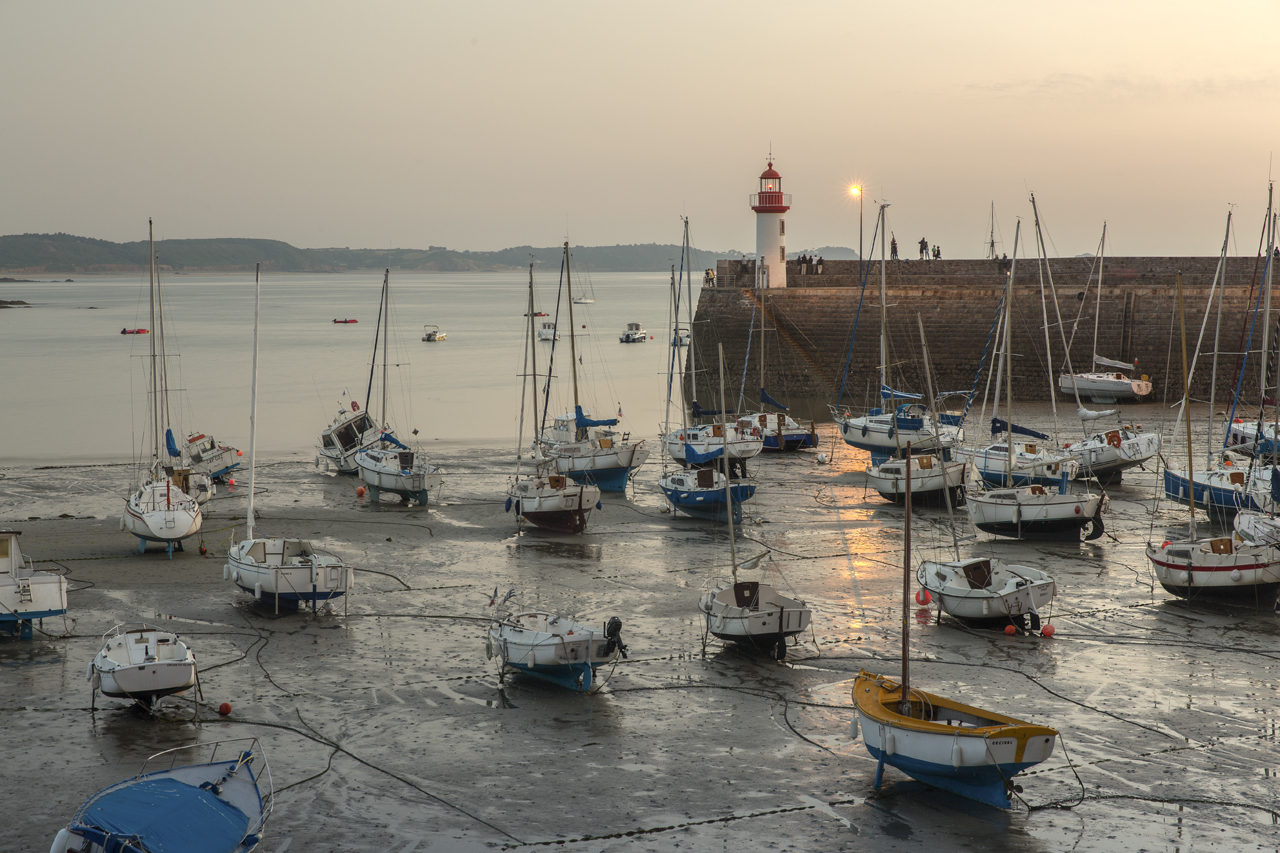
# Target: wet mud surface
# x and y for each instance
(387, 728)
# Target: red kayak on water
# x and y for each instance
(135, 332)
(346, 321)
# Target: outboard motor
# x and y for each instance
(613, 633)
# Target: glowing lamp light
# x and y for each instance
(855, 190)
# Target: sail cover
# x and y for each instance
(170, 444)
(583, 421)
(693, 457)
(1119, 365)
(699, 412)
(889, 394)
(766, 398)
(1090, 415)
(392, 440)
(1275, 484)
(999, 426)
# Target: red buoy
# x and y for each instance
(232, 482)
(224, 709)
(923, 596)
(1010, 630)
(1048, 631)
(239, 453)
(360, 491)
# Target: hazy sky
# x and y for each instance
(494, 124)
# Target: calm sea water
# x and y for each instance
(77, 389)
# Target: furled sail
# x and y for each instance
(583, 421)
(392, 440)
(998, 426)
(171, 445)
(699, 412)
(1090, 415)
(693, 457)
(1119, 365)
(766, 398)
(889, 394)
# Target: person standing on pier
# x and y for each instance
(893, 249)
(818, 266)
(924, 248)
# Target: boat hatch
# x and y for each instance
(1221, 546)
(706, 478)
(406, 459)
(747, 594)
(978, 573)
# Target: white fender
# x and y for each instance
(235, 576)
(853, 726)
(122, 524)
(226, 571)
(88, 673)
(890, 743)
(257, 591)
(1235, 575)
(986, 607)
(957, 755)
(61, 841)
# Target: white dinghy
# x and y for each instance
(26, 596)
(142, 663)
(981, 590)
(555, 648)
(219, 806)
(287, 572)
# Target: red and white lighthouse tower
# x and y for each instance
(771, 205)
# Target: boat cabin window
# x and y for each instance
(348, 435)
(4, 548)
(327, 440)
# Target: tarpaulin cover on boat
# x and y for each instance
(693, 457)
(1122, 365)
(999, 426)
(167, 816)
(171, 444)
(392, 440)
(699, 412)
(1275, 484)
(765, 398)
(889, 394)
(583, 421)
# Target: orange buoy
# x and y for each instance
(923, 596)
(224, 709)
(239, 453)
(360, 491)
(232, 482)
(1010, 630)
(1048, 630)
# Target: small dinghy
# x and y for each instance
(142, 663)
(555, 648)
(633, 334)
(344, 322)
(979, 590)
(955, 747)
(754, 614)
(432, 334)
(220, 806)
(25, 594)
(135, 331)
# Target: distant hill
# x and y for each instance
(67, 253)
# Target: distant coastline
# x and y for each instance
(46, 254)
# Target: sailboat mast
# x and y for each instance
(533, 357)
(573, 349)
(673, 312)
(991, 247)
(1266, 306)
(151, 300)
(693, 366)
(253, 400)
(1097, 305)
(386, 333)
(884, 349)
(1217, 329)
(1008, 360)
(937, 435)
(724, 458)
(1186, 400)
(1042, 263)
(904, 707)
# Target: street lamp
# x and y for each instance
(856, 191)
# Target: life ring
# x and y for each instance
(355, 407)
(1113, 438)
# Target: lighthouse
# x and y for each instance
(771, 205)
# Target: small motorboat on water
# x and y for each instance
(220, 806)
(142, 663)
(555, 648)
(135, 331)
(633, 334)
(431, 334)
(548, 331)
(25, 594)
(343, 322)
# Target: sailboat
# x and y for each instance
(1246, 571)
(750, 613)
(1036, 510)
(703, 492)
(1103, 387)
(738, 440)
(956, 747)
(142, 663)
(886, 434)
(555, 648)
(285, 571)
(217, 806)
(26, 596)
(1104, 455)
(583, 449)
(390, 465)
(779, 431)
(164, 508)
(545, 500)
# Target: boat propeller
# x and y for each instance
(613, 633)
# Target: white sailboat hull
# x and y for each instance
(160, 512)
(979, 589)
(1218, 568)
(1036, 512)
(890, 480)
(754, 614)
(287, 571)
(381, 470)
(1106, 454)
(143, 664)
(1104, 387)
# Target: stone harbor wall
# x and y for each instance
(809, 324)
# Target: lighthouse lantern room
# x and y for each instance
(771, 205)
